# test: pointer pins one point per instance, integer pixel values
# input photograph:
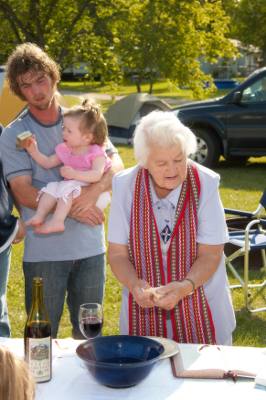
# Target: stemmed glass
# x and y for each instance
(90, 319)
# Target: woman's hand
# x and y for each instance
(67, 172)
(173, 292)
(207, 262)
(32, 144)
(144, 300)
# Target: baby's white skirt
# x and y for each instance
(63, 190)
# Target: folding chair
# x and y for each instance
(248, 240)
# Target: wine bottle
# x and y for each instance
(38, 337)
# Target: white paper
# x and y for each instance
(261, 376)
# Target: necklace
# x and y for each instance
(166, 233)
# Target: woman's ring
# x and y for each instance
(78, 208)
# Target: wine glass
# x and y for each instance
(90, 319)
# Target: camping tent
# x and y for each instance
(123, 115)
(11, 106)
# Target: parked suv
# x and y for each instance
(233, 126)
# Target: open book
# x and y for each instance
(216, 362)
(261, 376)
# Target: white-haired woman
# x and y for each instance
(167, 228)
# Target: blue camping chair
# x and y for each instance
(248, 240)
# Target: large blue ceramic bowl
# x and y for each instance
(120, 361)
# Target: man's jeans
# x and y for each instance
(5, 258)
(83, 280)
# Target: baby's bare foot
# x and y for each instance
(49, 227)
(36, 220)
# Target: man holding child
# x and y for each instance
(71, 261)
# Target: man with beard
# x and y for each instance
(72, 261)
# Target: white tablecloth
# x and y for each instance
(70, 381)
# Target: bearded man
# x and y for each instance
(72, 261)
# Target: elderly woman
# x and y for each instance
(167, 229)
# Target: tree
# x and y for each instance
(169, 36)
(248, 23)
(140, 37)
(69, 31)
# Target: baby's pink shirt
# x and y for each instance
(82, 162)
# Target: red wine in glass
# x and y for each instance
(90, 327)
(90, 319)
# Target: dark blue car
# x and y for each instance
(233, 126)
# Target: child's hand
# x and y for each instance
(32, 144)
(67, 172)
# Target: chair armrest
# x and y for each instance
(238, 212)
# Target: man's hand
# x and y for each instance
(21, 232)
(67, 172)
(83, 207)
(93, 216)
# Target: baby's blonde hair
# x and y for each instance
(16, 382)
(91, 120)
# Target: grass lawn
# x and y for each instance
(240, 188)
(160, 89)
(74, 100)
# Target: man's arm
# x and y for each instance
(15, 201)
(25, 193)
(83, 207)
(21, 232)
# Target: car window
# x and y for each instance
(255, 93)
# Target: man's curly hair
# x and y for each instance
(29, 57)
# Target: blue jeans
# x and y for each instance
(5, 258)
(83, 280)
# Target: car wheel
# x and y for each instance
(208, 149)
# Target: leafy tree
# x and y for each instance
(143, 37)
(248, 23)
(169, 36)
(69, 31)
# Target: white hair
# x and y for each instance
(162, 129)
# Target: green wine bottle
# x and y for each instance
(38, 337)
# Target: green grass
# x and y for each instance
(74, 100)
(240, 188)
(160, 89)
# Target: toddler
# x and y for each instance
(16, 382)
(84, 158)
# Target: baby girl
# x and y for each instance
(84, 158)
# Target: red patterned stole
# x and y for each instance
(191, 317)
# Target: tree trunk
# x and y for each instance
(137, 81)
(151, 84)
(263, 63)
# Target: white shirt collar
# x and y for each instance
(172, 197)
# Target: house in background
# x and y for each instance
(240, 67)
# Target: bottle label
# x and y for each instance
(39, 358)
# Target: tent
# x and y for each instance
(123, 115)
(11, 106)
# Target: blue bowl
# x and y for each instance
(120, 361)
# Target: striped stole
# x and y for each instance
(191, 317)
